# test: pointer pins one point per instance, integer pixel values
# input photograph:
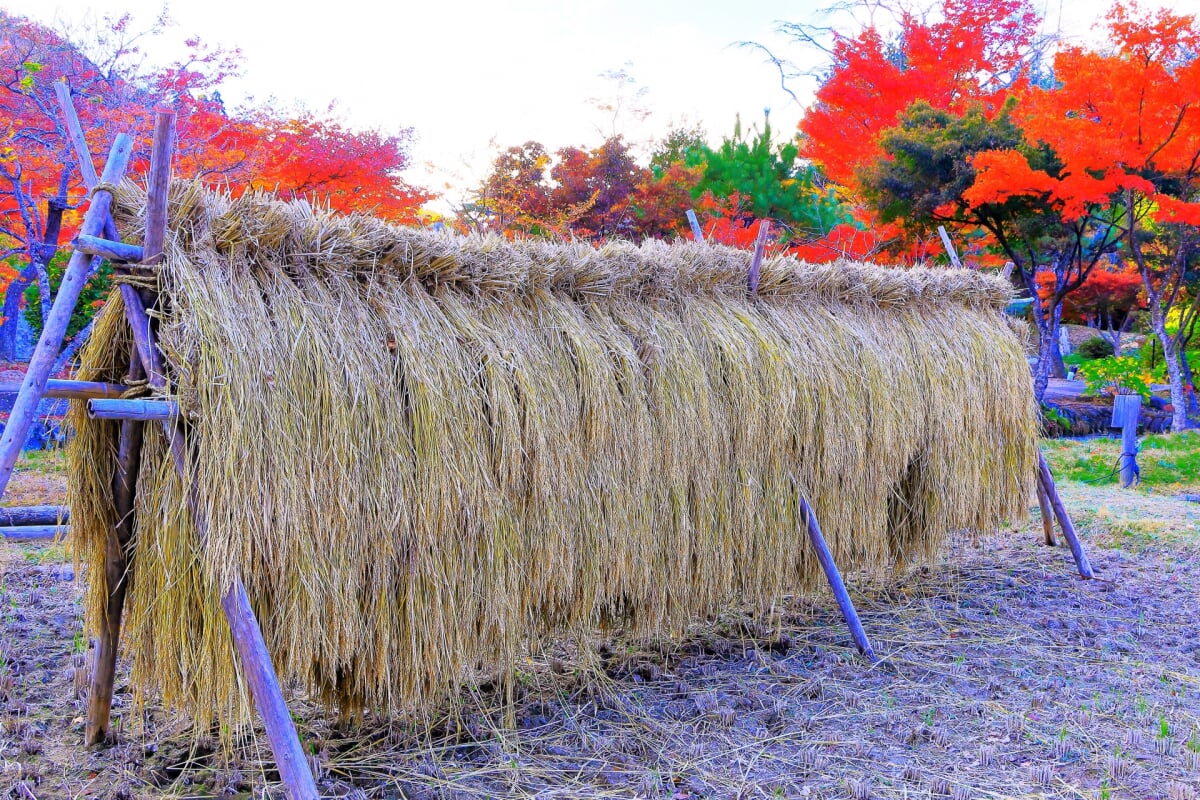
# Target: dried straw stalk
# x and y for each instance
(422, 452)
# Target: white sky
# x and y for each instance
(472, 76)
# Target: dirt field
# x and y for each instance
(1004, 676)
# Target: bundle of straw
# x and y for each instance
(423, 452)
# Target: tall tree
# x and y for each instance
(968, 52)
(114, 89)
(941, 167)
(1125, 123)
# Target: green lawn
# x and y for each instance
(1170, 463)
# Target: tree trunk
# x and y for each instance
(1171, 355)
(12, 312)
(1041, 374)
(55, 207)
(1058, 367)
(1189, 383)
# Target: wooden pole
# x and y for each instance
(760, 247)
(29, 533)
(143, 336)
(1047, 515)
(116, 571)
(75, 133)
(1126, 409)
(159, 187)
(74, 278)
(268, 697)
(34, 515)
(949, 245)
(834, 576)
(247, 635)
(697, 234)
(72, 390)
(140, 410)
(1064, 519)
(118, 252)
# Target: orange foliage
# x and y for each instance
(970, 55)
(1119, 121)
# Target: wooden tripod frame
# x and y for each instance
(99, 238)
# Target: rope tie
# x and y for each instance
(104, 186)
(141, 280)
(135, 388)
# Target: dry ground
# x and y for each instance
(1004, 676)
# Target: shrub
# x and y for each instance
(1096, 347)
(1113, 375)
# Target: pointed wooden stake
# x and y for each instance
(834, 576)
(1064, 519)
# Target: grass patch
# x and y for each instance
(40, 478)
(1134, 520)
(1170, 463)
(45, 462)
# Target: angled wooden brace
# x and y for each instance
(834, 576)
(1046, 486)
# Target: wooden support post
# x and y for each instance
(697, 234)
(949, 245)
(1064, 519)
(835, 582)
(1126, 409)
(1047, 515)
(75, 133)
(34, 515)
(268, 697)
(74, 278)
(117, 573)
(72, 390)
(760, 247)
(158, 192)
(140, 410)
(106, 248)
(247, 635)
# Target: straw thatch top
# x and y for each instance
(258, 228)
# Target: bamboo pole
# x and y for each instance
(760, 247)
(72, 390)
(139, 410)
(30, 533)
(1047, 515)
(107, 248)
(117, 574)
(1064, 519)
(34, 515)
(74, 278)
(694, 223)
(834, 576)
